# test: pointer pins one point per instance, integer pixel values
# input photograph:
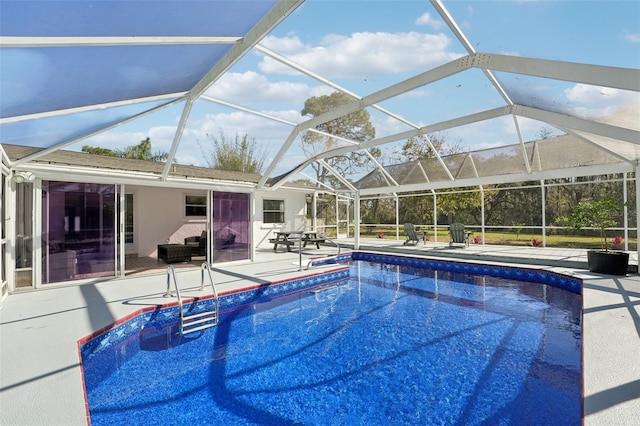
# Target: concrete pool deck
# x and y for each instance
(41, 380)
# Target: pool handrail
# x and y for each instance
(333, 256)
(200, 320)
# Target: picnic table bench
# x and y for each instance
(306, 237)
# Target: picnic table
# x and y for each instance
(290, 238)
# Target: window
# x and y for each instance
(195, 205)
(273, 211)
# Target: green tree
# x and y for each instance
(142, 151)
(239, 154)
(355, 127)
(99, 151)
(417, 148)
(461, 206)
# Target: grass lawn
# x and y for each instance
(512, 239)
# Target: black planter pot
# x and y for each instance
(608, 262)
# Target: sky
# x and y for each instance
(364, 46)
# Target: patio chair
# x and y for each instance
(410, 232)
(198, 244)
(458, 234)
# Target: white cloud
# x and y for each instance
(482, 135)
(162, 137)
(251, 88)
(243, 123)
(422, 92)
(589, 94)
(633, 37)
(362, 54)
(386, 125)
(426, 19)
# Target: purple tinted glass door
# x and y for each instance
(78, 231)
(230, 225)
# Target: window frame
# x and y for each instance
(195, 206)
(279, 212)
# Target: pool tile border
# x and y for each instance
(519, 273)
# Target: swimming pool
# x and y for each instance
(385, 342)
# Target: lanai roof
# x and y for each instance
(72, 72)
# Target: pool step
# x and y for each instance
(196, 322)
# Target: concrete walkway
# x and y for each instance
(41, 381)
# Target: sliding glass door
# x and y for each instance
(230, 226)
(78, 231)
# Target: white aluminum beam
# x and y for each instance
(335, 86)
(5, 158)
(332, 190)
(381, 168)
(510, 178)
(468, 159)
(176, 138)
(597, 75)
(600, 147)
(86, 108)
(283, 150)
(608, 76)
(522, 145)
(262, 28)
(266, 24)
(444, 125)
(576, 123)
(248, 110)
(56, 147)
(438, 156)
(338, 176)
(328, 82)
(26, 42)
(437, 127)
(272, 117)
(453, 25)
(420, 80)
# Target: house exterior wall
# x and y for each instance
(159, 217)
(294, 215)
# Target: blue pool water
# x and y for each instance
(388, 344)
